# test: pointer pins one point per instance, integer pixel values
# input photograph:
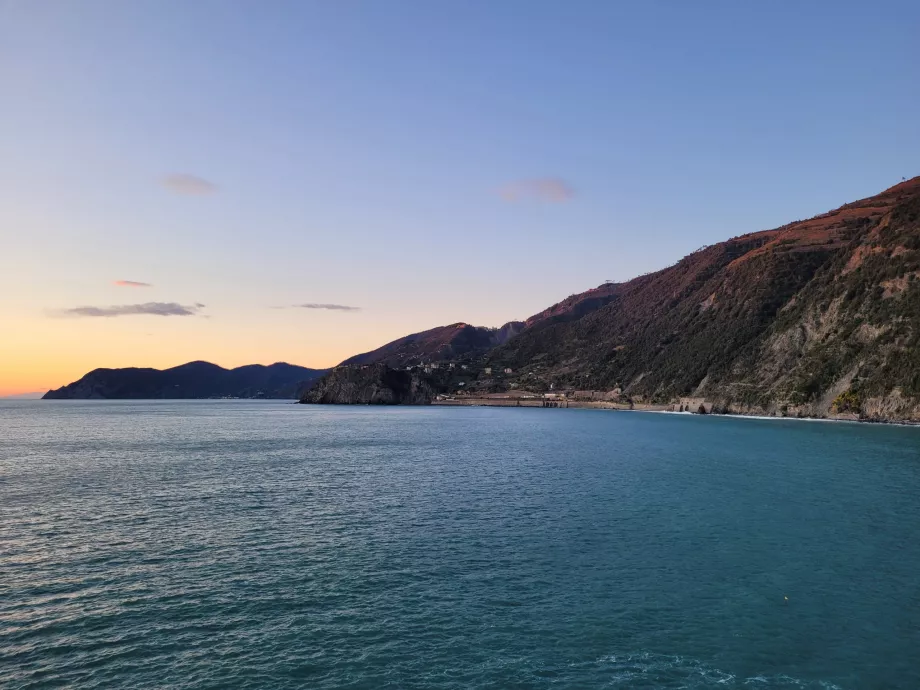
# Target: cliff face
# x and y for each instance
(192, 380)
(818, 317)
(375, 384)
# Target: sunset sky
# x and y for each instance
(251, 182)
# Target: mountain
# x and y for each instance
(438, 344)
(192, 380)
(820, 317)
(817, 317)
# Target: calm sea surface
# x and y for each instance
(262, 544)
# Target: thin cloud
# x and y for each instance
(318, 305)
(148, 308)
(189, 185)
(541, 189)
(131, 283)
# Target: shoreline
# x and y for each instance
(656, 409)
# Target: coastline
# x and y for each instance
(517, 401)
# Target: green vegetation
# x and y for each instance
(847, 402)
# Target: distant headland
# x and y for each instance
(192, 380)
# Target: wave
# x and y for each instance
(646, 669)
(773, 418)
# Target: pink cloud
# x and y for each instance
(131, 283)
(542, 189)
(148, 308)
(190, 185)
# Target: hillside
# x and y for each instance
(816, 317)
(192, 380)
(438, 344)
(819, 317)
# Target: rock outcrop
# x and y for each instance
(372, 384)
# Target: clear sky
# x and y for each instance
(423, 162)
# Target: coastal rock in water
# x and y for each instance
(375, 384)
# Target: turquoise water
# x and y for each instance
(261, 544)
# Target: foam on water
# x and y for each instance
(646, 669)
(774, 418)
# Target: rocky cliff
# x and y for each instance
(374, 384)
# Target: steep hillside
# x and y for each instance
(575, 306)
(816, 317)
(192, 380)
(438, 344)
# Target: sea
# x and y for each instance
(262, 544)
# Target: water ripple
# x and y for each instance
(251, 545)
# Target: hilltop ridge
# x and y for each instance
(191, 380)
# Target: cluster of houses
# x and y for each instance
(428, 368)
(686, 404)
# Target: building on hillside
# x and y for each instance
(507, 370)
(487, 370)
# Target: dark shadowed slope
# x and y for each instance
(192, 380)
(438, 344)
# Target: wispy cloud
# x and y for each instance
(148, 308)
(318, 305)
(131, 283)
(330, 307)
(542, 189)
(190, 185)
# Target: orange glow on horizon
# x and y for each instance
(47, 353)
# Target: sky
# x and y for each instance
(251, 182)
